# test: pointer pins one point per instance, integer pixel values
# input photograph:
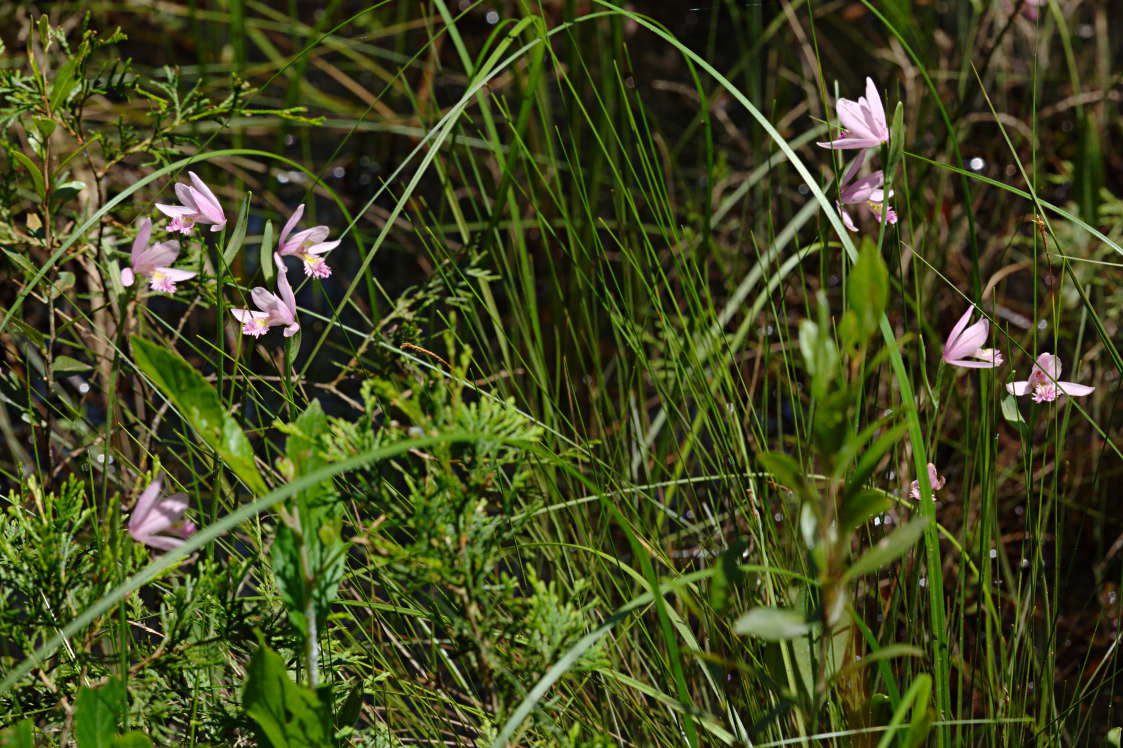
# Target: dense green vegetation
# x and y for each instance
(585, 401)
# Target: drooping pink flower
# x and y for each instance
(935, 480)
(158, 521)
(308, 245)
(868, 191)
(863, 121)
(274, 310)
(965, 342)
(198, 205)
(1044, 382)
(154, 262)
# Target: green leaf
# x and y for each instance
(68, 365)
(36, 175)
(1089, 170)
(1012, 414)
(862, 506)
(772, 624)
(238, 236)
(896, 140)
(888, 652)
(888, 549)
(289, 715)
(64, 83)
(96, 711)
(19, 735)
(1114, 736)
(200, 406)
(66, 191)
(132, 739)
(268, 269)
(867, 289)
(787, 472)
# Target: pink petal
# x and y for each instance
(202, 187)
(322, 247)
(175, 275)
(143, 235)
(144, 505)
(967, 363)
(1017, 388)
(247, 315)
(175, 211)
(849, 142)
(127, 277)
(284, 288)
(873, 101)
(969, 341)
(290, 225)
(1076, 390)
(160, 542)
(186, 197)
(850, 115)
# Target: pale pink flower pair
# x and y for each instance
(154, 262)
(198, 205)
(158, 521)
(935, 480)
(273, 310)
(865, 127)
(964, 345)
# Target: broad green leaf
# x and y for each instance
(871, 456)
(36, 175)
(96, 711)
(132, 739)
(888, 549)
(238, 235)
(289, 715)
(64, 82)
(1115, 736)
(862, 506)
(867, 289)
(772, 624)
(198, 403)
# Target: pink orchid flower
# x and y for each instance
(159, 522)
(935, 480)
(863, 121)
(274, 310)
(199, 205)
(868, 191)
(964, 342)
(308, 245)
(154, 262)
(1044, 382)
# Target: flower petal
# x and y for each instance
(1074, 389)
(127, 277)
(1017, 388)
(144, 504)
(290, 225)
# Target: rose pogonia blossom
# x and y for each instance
(158, 521)
(863, 121)
(965, 342)
(198, 205)
(274, 309)
(1044, 382)
(935, 480)
(154, 262)
(868, 191)
(308, 245)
